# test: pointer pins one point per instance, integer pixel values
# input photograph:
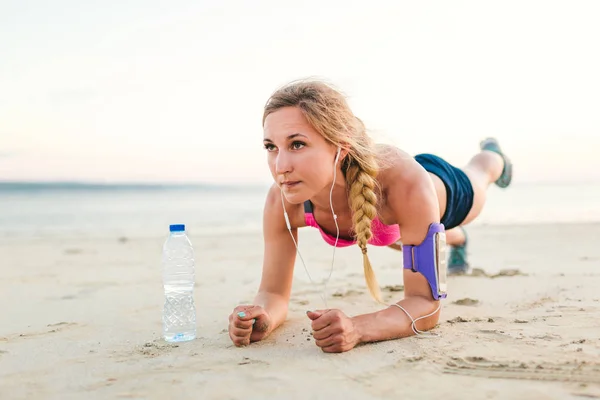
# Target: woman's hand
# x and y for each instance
(333, 331)
(248, 323)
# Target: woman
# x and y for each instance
(329, 175)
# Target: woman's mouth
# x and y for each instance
(290, 184)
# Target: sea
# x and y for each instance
(38, 210)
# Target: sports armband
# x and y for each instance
(429, 259)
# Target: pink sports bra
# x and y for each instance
(383, 235)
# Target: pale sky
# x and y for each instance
(153, 91)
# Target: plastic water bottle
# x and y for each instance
(179, 311)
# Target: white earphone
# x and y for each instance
(337, 156)
(337, 236)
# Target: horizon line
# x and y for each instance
(90, 184)
(207, 184)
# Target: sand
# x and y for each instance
(81, 319)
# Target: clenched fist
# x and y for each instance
(334, 332)
(248, 323)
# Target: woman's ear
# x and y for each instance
(343, 153)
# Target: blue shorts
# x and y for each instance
(459, 191)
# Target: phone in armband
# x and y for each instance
(429, 259)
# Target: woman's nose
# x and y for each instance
(282, 163)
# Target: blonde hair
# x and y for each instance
(327, 110)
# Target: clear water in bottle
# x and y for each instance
(179, 311)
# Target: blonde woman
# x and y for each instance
(330, 176)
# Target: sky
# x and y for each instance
(149, 91)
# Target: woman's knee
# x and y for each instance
(479, 185)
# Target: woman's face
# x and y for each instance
(300, 160)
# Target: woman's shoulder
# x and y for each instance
(400, 179)
(398, 168)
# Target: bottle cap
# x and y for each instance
(177, 228)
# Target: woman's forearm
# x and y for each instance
(275, 305)
(392, 322)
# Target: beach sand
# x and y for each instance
(81, 319)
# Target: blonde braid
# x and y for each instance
(363, 201)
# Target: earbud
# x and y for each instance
(337, 157)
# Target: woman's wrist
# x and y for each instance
(359, 328)
(393, 322)
(368, 327)
(275, 306)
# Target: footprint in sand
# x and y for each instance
(576, 371)
(247, 360)
(494, 332)
(535, 304)
(457, 319)
(478, 272)
(394, 288)
(156, 348)
(508, 272)
(466, 302)
(150, 349)
(57, 327)
(347, 293)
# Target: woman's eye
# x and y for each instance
(269, 146)
(297, 145)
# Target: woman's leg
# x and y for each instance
(486, 167)
(482, 170)
(455, 237)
